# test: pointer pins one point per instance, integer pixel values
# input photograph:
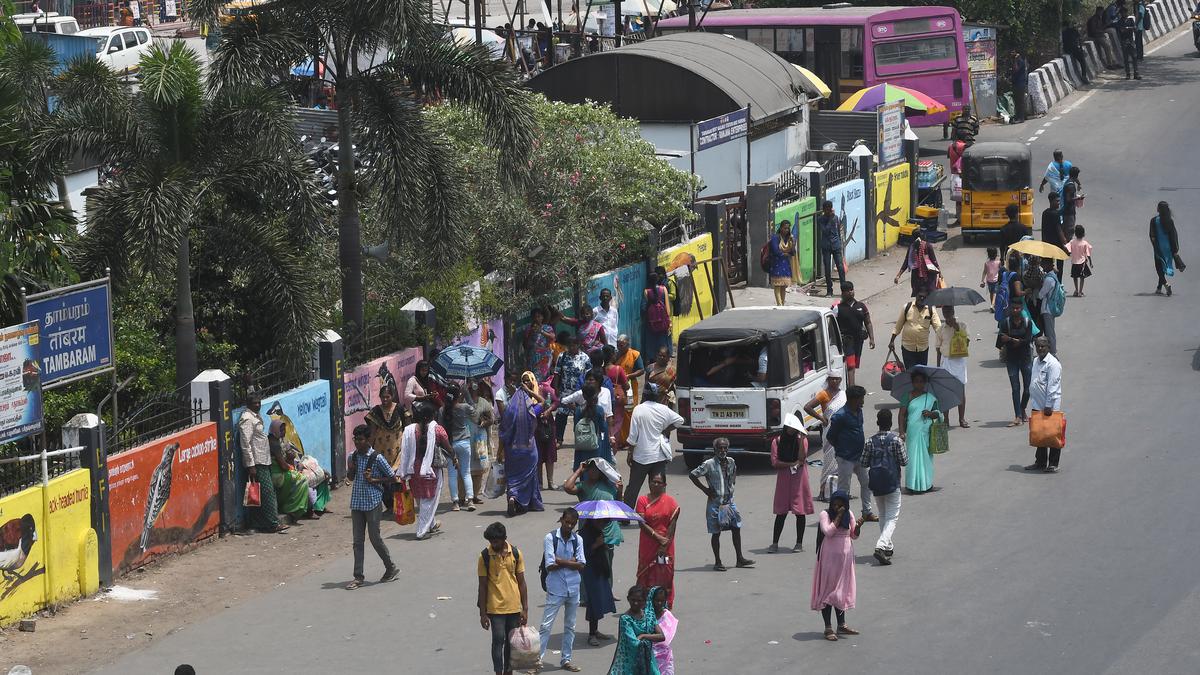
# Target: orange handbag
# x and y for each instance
(1047, 431)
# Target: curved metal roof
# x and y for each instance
(682, 77)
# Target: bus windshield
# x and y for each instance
(915, 55)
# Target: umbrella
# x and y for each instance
(867, 100)
(649, 7)
(953, 296)
(818, 85)
(945, 387)
(1040, 249)
(463, 361)
(606, 509)
(465, 35)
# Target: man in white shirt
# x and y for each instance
(1045, 397)
(609, 317)
(649, 440)
(256, 458)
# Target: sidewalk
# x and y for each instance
(871, 278)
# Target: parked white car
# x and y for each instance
(46, 22)
(120, 47)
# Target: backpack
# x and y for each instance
(353, 465)
(656, 313)
(883, 476)
(586, 438)
(1032, 277)
(960, 343)
(1147, 20)
(1057, 302)
(487, 559)
(764, 257)
(542, 571)
(1002, 294)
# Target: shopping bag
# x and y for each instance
(405, 509)
(939, 438)
(525, 647)
(956, 188)
(253, 495)
(481, 454)
(494, 484)
(1047, 431)
(892, 367)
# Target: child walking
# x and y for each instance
(1081, 260)
(991, 274)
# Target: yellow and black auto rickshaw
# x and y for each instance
(994, 175)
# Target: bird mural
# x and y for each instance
(887, 215)
(17, 537)
(386, 378)
(276, 413)
(159, 493)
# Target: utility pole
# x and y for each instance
(691, 5)
(619, 22)
(479, 22)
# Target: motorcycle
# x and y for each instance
(1196, 29)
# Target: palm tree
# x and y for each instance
(187, 166)
(386, 60)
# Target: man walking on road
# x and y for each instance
(563, 559)
(369, 470)
(854, 322)
(503, 596)
(884, 454)
(829, 225)
(649, 439)
(1052, 227)
(847, 436)
(1045, 395)
(720, 472)
(256, 458)
(1057, 172)
(914, 325)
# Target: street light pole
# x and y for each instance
(479, 22)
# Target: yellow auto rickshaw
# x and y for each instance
(994, 175)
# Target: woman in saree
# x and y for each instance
(630, 361)
(918, 411)
(291, 488)
(386, 422)
(639, 631)
(662, 373)
(539, 341)
(424, 440)
(517, 428)
(421, 387)
(656, 547)
(829, 400)
(922, 264)
(620, 385)
(668, 624)
(589, 331)
(597, 480)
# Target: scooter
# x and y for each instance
(1196, 29)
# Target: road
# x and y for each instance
(1089, 571)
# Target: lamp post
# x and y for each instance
(423, 315)
(863, 156)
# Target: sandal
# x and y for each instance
(593, 641)
(357, 583)
(846, 630)
(1014, 423)
(719, 567)
(964, 425)
(830, 635)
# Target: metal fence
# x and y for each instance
(379, 337)
(790, 186)
(19, 475)
(154, 417)
(269, 375)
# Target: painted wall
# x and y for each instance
(850, 202)
(891, 204)
(163, 496)
(690, 264)
(627, 284)
(800, 214)
(48, 549)
(363, 384)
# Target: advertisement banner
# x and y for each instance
(891, 134)
(850, 204)
(892, 201)
(20, 382)
(718, 130)
(163, 496)
(77, 332)
(800, 214)
(689, 267)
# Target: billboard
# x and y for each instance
(163, 496)
(722, 129)
(891, 134)
(76, 325)
(800, 214)
(850, 204)
(20, 381)
(892, 201)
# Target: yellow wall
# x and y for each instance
(697, 305)
(63, 561)
(891, 205)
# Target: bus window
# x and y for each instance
(795, 45)
(914, 53)
(763, 37)
(852, 54)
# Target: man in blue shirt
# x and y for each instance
(563, 558)
(829, 226)
(370, 472)
(847, 437)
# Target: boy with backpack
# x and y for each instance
(503, 597)
(883, 455)
(1051, 301)
(370, 472)
(562, 561)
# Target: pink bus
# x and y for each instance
(855, 47)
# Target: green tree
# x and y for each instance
(387, 61)
(222, 169)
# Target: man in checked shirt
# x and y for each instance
(883, 455)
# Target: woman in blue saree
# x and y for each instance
(918, 410)
(520, 448)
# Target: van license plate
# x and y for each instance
(730, 413)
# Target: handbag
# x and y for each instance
(441, 458)
(404, 508)
(494, 483)
(727, 517)
(253, 494)
(892, 367)
(1047, 431)
(939, 438)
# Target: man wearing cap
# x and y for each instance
(847, 437)
(854, 322)
(649, 440)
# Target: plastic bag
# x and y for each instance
(939, 438)
(494, 484)
(525, 647)
(1047, 432)
(253, 494)
(404, 508)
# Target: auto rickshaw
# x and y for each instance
(994, 175)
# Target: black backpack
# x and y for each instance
(542, 571)
(487, 558)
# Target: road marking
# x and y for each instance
(1082, 99)
(1039, 132)
(1032, 139)
(1047, 124)
(1056, 118)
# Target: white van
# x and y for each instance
(121, 47)
(718, 385)
(46, 22)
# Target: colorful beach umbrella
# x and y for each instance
(867, 100)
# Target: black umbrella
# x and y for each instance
(953, 296)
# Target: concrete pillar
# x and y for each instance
(330, 357)
(712, 214)
(912, 152)
(866, 171)
(87, 430)
(759, 218)
(215, 391)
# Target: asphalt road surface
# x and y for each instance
(1092, 570)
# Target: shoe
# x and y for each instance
(477, 500)
(571, 667)
(1137, 77)
(1158, 290)
(888, 553)
(357, 583)
(1035, 467)
(1168, 290)
(882, 557)
(603, 636)
(773, 548)
(593, 641)
(798, 548)
(870, 518)
(390, 575)
(1051, 469)
(456, 507)
(745, 562)
(847, 630)
(1127, 76)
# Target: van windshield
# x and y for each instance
(727, 367)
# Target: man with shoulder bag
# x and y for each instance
(883, 455)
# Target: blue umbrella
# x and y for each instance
(464, 361)
(606, 509)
